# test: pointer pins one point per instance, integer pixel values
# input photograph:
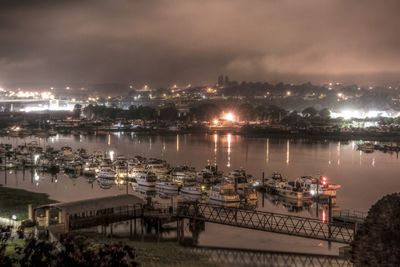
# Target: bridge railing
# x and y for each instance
(268, 221)
(351, 214)
(104, 218)
(255, 258)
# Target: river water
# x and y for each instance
(365, 178)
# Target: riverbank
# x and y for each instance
(154, 254)
(15, 202)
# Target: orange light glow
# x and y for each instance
(229, 116)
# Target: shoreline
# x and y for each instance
(379, 137)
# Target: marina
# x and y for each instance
(64, 187)
(107, 168)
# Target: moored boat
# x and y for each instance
(223, 193)
(169, 186)
(107, 173)
(146, 179)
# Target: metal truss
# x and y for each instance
(267, 221)
(254, 258)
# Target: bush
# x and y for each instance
(72, 251)
(377, 242)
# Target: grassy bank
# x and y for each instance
(154, 254)
(15, 201)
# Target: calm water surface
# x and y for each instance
(364, 177)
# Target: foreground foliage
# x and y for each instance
(377, 242)
(71, 251)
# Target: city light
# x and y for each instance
(359, 114)
(229, 116)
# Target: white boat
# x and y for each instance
(169, 186)
(239, 178)
(158, 167)
(318, 186)
(133, 174)
(292, 190)
(209, 174)
(146, 179)
(89, 169)
(105, 183)
(106, 173)
(250, 194)
(273, 181)
(183, 174)
(145, 190)
(122, 171)
(223, 193)
(366, 147)
(191, 190)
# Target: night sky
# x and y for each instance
(161, 43)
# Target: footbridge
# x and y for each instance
(268, 222)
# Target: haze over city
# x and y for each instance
(162, 43)
(199, 133)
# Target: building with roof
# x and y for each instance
(60, 217)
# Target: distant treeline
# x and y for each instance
(207, 112)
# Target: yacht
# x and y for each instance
(209, 175)
(183, 174)
(239, 178)
(272, 182)
(366, 147)
(146, 179)
(72, 166)
(136, 170)
(169, 186)
(292, 190)
(158, 167)
(318, 186)
(223, 193)
(191, 190)
(145, 190)
(122, 171)
(89, 169)
(106, 173)
(250, 194)
(105, 183)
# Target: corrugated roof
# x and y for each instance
(97, 203)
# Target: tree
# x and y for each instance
(88, 111)
(246, 112)
(169, 113)
(309, 112)
(146, 113)
(292, 119)
(260, 112)
(377, 242)
(324, 114)
(77, 251)
(276, 113)
(205, 112)
(77, 111)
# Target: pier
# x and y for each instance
(64, 217)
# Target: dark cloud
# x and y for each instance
(166, 42)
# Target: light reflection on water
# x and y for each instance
(364, 177)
